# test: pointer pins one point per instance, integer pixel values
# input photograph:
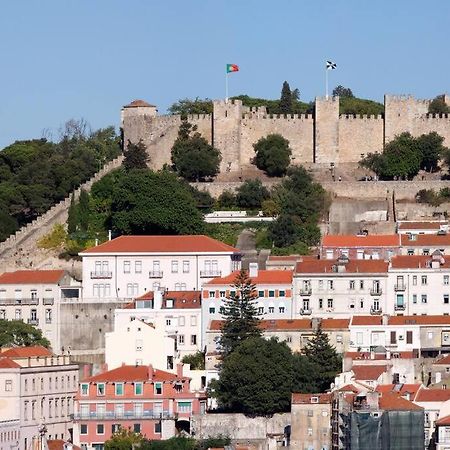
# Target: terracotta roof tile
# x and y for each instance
(401, 389)
(432, 395)
(132, 373)
(329, 324)
(366, 320)
(264, 277)
(138, 103)
(359, 241)
(353, 266)
(26, 352)
(391, 401)
(271, 325)
(6, 363)
(444, 361)
(58, 444)
(181, 299)
(301, 399)
(416, 262)
(426, 240)
(379, 356)
(443, 421)
(162, 244)
(32, 277)
(419, 320)
(420, 225)
(372, 372)
(349, 388)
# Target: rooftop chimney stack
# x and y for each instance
(253, 270)
(150, 372)
(179, 370)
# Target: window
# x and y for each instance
(414, 279)
(446, 299)
(361, 304)
(2, 314)
(271, 309)
(446, 280)
(320, 303)
(281, 309)
(282, 293)
(330, 303)
(193, 339)
(115, 427)
(139, 344)
(329, 254)
(132, 289)
(424, 298)
(184, 407)
(352, 284)
(83, 428)
(212, 310)
(101, 389)
(84, 389)
(181, 321)
(320, 284)
(174, 266)
(157, 427)
(138, 388)
(410, 252)
(181, 339)
(414, 298)
(18, 314)
(119, 388)
(409, 337)
(126, 266)
(339, 338)
(424, 280)
(232, 294)
(361, 284)
(330, 285)
(158, 388)
(138, 266)
(359, 338)
(260, 293)
(168, 322)
(193, 321)
(186, 267)
(222, 294)
(260, 309)
(137, 427)
(8, 385)
(393, 337)
(426, 251)
(272, 294)
(212, 294)
(100, 428)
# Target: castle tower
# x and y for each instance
(227, 118)
(326, 131)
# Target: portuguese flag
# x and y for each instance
(232, 68)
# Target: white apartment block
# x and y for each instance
(34, 296)
(37, 388)
(130, 266)
(340, 288)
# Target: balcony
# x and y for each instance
(305, 311)
(33, 321)
(113, 415)
(101, 275)
(306, 291)
(155, 274)
(48, 301)
(399, 307)
(399, 287)
(210, 273)
(376, 291)
(376, 311)
(19, 301)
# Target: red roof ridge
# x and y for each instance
(263, 277)
(138, 103)
(8, 363)
(26, 352)
(32, 276)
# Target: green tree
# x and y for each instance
(227, 199)
(146, 202)
(72, 219)
(188, 106)
(16, 333)
(358, 106)
(196, 360)
(251, 194)
(438, 106)
(240, 314)
(343, 92)
(286, 99)
(432, 149)
(273, 155)
(323, 358)
(124, 439)
(256, 378)
(135, 156)
(305, 375)
(284, 230)
(83, 211)
(192, 157)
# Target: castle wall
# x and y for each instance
(326, 131)
(428, 123)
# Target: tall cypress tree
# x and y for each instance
(83, 210)
(72, 219)
(286, 99)
(240, 313)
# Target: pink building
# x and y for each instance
(147, 400)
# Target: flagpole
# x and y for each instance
(226, 86)
(326, 83)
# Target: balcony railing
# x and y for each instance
(306, 311)
(155, 274)
(210, 273)
(399, 287)
(399, 307)
(113, 415)
(48, 301)
(33, 321)
(101, 274)
(376, 291)
(19, 301)
(306, 291)
(375, 311)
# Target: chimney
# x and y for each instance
(150, 372)
(253, 270)
(109, 235)
(157, 299)
(86, 371)
(384, 319)
(180, 370)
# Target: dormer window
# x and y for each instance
(314, 399)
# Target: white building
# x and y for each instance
(428, 227)
(130, 266)
(37, 388)
(34, 296)
(342, 287)
(425, 244)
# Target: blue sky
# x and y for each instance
(62, 59)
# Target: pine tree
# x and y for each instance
(72, 219)
(286, 99)
(322, 356)
(136, 156)
(240, 313)
(83, 210)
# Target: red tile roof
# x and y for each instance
(6, 363)
(271, 325)
(420, 225)
(353, 266)
(58, 444)
(372, 372)
(301, 399)
(162, 244)
(264, 277)
(366, 320)
(416, 262)
(26, 352)
(330, 324)
(349, 388)
(444, 361)
(138, 103)
(419, 320)
(432, 395)
(379, 356)
(133, 373)
(426, 240)
(391, 401)
(181, 299)
(443, 421)
(32, 277)
(401, 389)
(359, 241)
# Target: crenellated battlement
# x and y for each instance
(361, 117)
(436, 116)
(288, 117)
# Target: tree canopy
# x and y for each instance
(438, 106)
(341, 91)
(16, 333)
(286, 99)
(251, 194)
(188, 106)
(273, 155)
(135, 156)
(124, 439)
